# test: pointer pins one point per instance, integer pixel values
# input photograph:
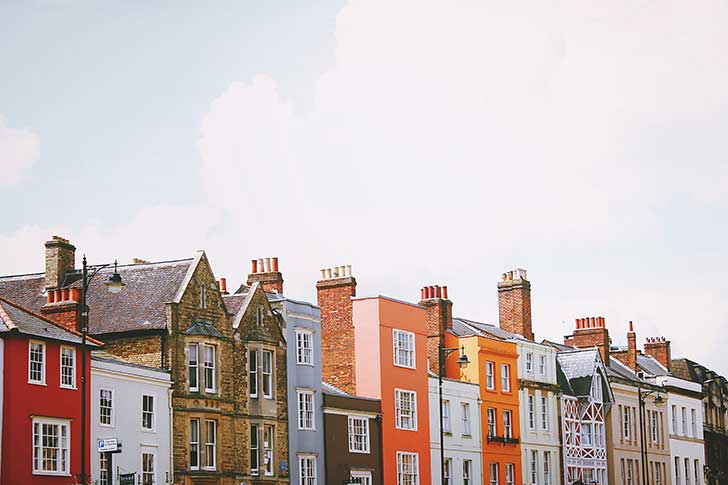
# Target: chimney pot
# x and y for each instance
(593, 324)
(51, 296)
(444, 292)
(323, 274)
(267, 265)
(65, 294)
(59, 295)
(438, 291)
(348, 270)
(329, 273)
(254, 266)
(631, 327)
(261, 269)
(217, 283)
(422, 293)
(504, 277)
(75, 294)
(223, 284)
(275, 264)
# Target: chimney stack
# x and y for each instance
(659, 349)
(514, 303)
(60, 258)
(334, 292)
(590, 332)
(266, 272)
(439, 320)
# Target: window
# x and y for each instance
(407, 468)
(531, 412)
(362, 478)
(104, 471)
(254, 450)
(446, 428)
(358, 434)
(654, 426)
(305, 410)
(307, 469)
(406, 409)
(148, 467)
(193, 371)
(674, 419)
(51, 440)
(627, 425)
(597, 388)
(467, 471)
(106, 407)
(586, 434)
(267, 374)
(489, 377)
(465, 409)
(209, 365)
(210, 444)
(658, 473)
(253, 373)
(677, 466)
(687, 470)
(194, 444)
(259, 315)
(446, 470)
(529, 362)
(694, 423)
(404, 348)
(547, 468)
(36, 362)
(304, 347)
(629, 473)
(534, 467)
(684, 422)
(510, 474)
(68, 367)
(505, 377)
(203, 296)
(507, 424)
(491, 422)
(542, 365)
(544, 414)
(148, 412)
(268, 449)
(494, 473)
(697, 471)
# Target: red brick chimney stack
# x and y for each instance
(659, 348)
(265, 270)
(63, 307)
(631, 348)
(334, 292)
(60, 258)
(439, 320)
(514, 303)
(590, 332)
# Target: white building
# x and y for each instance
(130, 405)
(461, 432)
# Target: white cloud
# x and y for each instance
(19, 149)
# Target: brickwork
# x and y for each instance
(659, 348)
(272, 282)
(139, 350)
(590, 332)
(439, 320)
(337, 332)
(514, 304)
(66, 314)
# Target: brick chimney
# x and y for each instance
(590, 332)
(334, 292)
(514, 303)
(266, 272)
(439, 320)
(659, 348)
(60, 258)
(629, 357)
(63, 307)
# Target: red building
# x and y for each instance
(41, 399)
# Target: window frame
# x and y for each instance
(398, 393)
(196, 367)
(255, 432)
(43, 363)
(304, 355)
(253, 379)
(302, 458)
(507, 423)
(446, 422)
(153, 413)
(529, 362)
(491, 412)
(37, 461)
(505, 378)
(542, 364)
(268, 467)
(411, 354)
(467, 423)
(212, 368)
(104, 468)
(72, 385)
(510, 474)
(267, 376)
(493, 473)
(544, 413)
(489, 375)
(305, 408)
(447, 470)
(111, 422)
(467, 471)
(210, 445)
(531, 412)
(415, 463)
(196, 443)
(365, 440)
(148, 451)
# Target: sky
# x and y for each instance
(423, 142)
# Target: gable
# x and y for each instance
(200, 305)
(256, 320)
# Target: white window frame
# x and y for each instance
(307, 469)
(106, 475)
(694, 423)
(210, 444)
(110, 424)
(505, 378)
(534, 467)
(492, 423)
(304, 347)
(209, 367)
(544, 413)
(415, 463)
(447, 471)
(42, 381)
(72, 385)
(547, 468)
(37, 447)
(153, 453)
(446, 423)
(467, 471)
(268, 460)
(467, 425)
(531, 411)
(364, 477)
(193, 367)
(674, 419)
(529, 362)
(146, 412)
(493, 473)
(267, 375)
(253, 380)
(194, 443)
(490, 375)
(398, 395)
(403, 355)
(306, 407)
(255, 448)
(507, 423)
(627, 423)
(542, 364)
(361, 445)
(510, 474)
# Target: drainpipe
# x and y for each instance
(171, 427)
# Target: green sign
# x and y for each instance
(126, 478)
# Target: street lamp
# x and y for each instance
(114, 285)
(642, 396)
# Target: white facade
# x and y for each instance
(539, 409)
(685, 422)
(462, 430)
(135, 409)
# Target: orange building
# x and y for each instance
(381, 353)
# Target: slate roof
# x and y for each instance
(463, 327)
(650, 365)
(202, 327)
(332, 389)
(578, 367)
(140, 306)
(102, 356)
(14, 318)
(233, 302)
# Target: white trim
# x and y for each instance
(198, 442)
(44, 363)
(73, 367)
(145, 450)
(113, 393)
(306, 457)
(191, 388)
(414, 413)
(211, 443)
(301, 410)
(270, 374)
(154, 413)
(395, 348)
(300, 351)
(213, 389)
(57, 422)
(366, 448)
(417, 464)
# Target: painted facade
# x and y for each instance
(461, 432)
(130, 403)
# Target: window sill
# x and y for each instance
(70, 388)
(40, 384)
(52, 474)
(360, 452)
(107, 425)
(307, 364)
(412, 367)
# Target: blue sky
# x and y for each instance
(424, 142)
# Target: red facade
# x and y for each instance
(47, 413)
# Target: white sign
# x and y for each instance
(108, 445)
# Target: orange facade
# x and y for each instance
(494, 366)
(377, 321)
